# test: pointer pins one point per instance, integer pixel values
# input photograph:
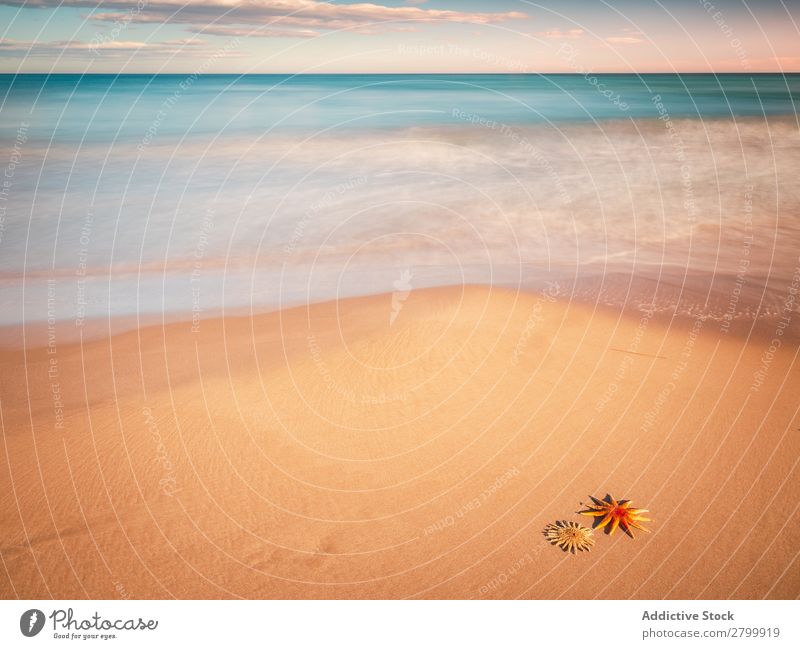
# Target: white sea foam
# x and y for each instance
(342, 212)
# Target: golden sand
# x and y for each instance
(355, 450)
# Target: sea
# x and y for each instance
(169, 197)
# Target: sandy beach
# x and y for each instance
(401, 446)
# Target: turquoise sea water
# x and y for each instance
(176, 193)
(105, 108)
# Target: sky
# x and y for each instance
(399, 36)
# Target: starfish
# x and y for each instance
(617, 514)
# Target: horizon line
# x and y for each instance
(334, 74)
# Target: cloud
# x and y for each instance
(10, 47)
(251, 32)
(557, 34)
(282, 14)
(623, 40)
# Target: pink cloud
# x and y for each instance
(557, 34)
(623, 40)
(305, 14)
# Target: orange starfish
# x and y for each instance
(619, 514)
